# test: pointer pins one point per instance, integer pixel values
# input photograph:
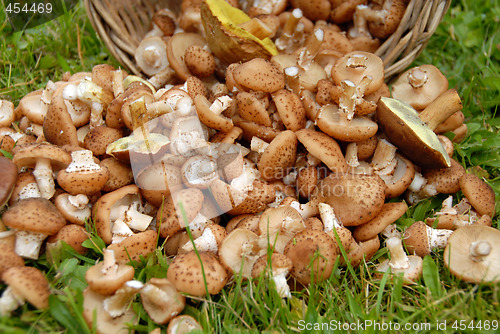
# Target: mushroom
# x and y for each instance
(176, 50)
(46, 159)
(239, 250)
(8, 175)
(313, 254)
(100, 320)
(117, 304)
(151, 55)
(199, 61)
(183, 324)
(419, 86)
(99, 137)
(161, 300)
(480, 195)
(58, 127)
(83, 175)
(277, 266)
(75, 209)
(334, 227)
(472, 254)
(290, 109)
(411, 266)
(259, 75)
(25, 187)
(210, 114)
(446, 180)
(24, 284)
(7, 115)
(72, 234)
(8, 257)
(278, 156)
(135, 247)
(421, 239)
(197, 274)
(384, 21)
(211, 237)
(412, 133)
(389, 213)
(33, 219)
(356, 198)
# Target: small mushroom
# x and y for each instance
(422, 239)
(117, 304)
(411, 266)
(151, 55)
(277, 266)
(58, 127)
(83, 175)
(135, 247)
(33, 219)
(24, 284)
(197, 273)
(8, 257)
(183, 324)
(479, 193)
(278, 156)
(259, 75)
(389, 213)
(313, 254)
(75, 209)
(472, 254)
(72, 234)
(161, 300)
(176, 50)
(239, 250)
(8, 175)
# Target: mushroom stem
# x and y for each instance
(416, 77)
(306, 57)
(258, 145)
(28, 244)
(328, 217)
(391, 231)
(441, 108)
(117, 304)
(284, 41)
(399, 259)
(438, 238)
(44, 177)
(384, 154)
(306, 210)
(479, 250)
(110, 266)
(9, 302)
(292, 79)
(205, 243)
(351, 155)
(282, 287)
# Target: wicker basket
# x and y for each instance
(122, 24)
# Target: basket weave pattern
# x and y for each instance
(122, 24)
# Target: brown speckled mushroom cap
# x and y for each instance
(290, 109)
(58, 127)
(72, 234)
(27, 155)
(276, 264)
(389, 213)
(480, 195)
(9, 258)
(187, 274)
(135, 246)
(106, 283)
(445, 179)
(472, 254)
(313, 254)
(8, 175)
(356, 198)
(30, 283)
(416, 239)
(260, 75)
(37, 215)
(278, 156)
(324, 148)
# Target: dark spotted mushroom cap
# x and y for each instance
(30, 283)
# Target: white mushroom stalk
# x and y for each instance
(416, 77)
(207, 242)
(438, 238)
(110, 266)
(220, 104)
(9, 302)
(94, 96)
(384, 158)
(126, 219)
(479, 250)
(198, 224)
(279, 277)
(82, 161)
(244, 182)
(352, 94)
(78, 205)
(306, 210)
(284, 42)
(28, 244)
(258, 145)
(391, 231)
(117, 304)
(328, 217)
(351, 155)
(306, 57)
(292, 78)
(44, 177)
(399, 259)
(291, 177)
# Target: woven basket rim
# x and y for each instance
(121, 36)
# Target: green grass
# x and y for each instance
(466, 47)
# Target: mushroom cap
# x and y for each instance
(199, 171)
(8, 175)
(389, 213)
(99, 137)
(401, 179)
(324, 148)
(161, 300)
(480, 195)
(419, 86)
(187, 274)
(332, 121)
(277, 263)
(209, 118)
(58, 127)
(93, 309)
(176, 49)
(446, 179)
(135, 246)
(347, 68)
(227, 39)
(183, 324)
(30, 283)
(308, 80)
(313, 254)
(290, 109)
(238, 251)
(9, 258)
(364, 250)
(120, 174)
(105, 283)
(416, 240)
(278, 157)
(83, 182)
(157, 181)
(260, 75)
(472, 254)
(199, 61)
(355, 198)
(410, 274)
(402, 125)
(37, 215)
(72, 234)
(28, 155)
(151, 55)
(251, 109)
(252, 129)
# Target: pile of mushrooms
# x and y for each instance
(276, 159)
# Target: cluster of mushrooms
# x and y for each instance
(256, 146)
